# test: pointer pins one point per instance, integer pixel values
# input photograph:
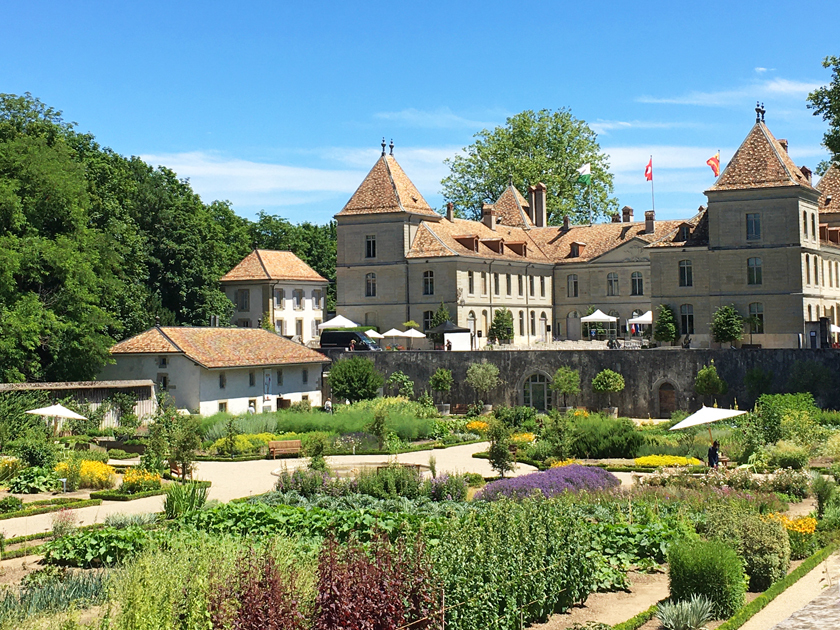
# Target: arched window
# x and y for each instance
(533, 323)
(543, 326)
(686, 275)
(428, 283)
(471, 322)
(757, 317)
(810, 314)
(813, 227)
(573, 315)
(612, 283)
(485, 322)
(370, 285)
(535, 392)
(807, 269)
(521, 323)
(805, 223)
(572, 285)
(687, 319)
(753, 270)
(637, 286)
(636, 313)
(816, 270)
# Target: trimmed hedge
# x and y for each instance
(710, 568)
(759, 603)
(53, 505)
(639, 620)
(116, 495)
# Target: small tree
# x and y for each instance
(441, 381)
(404, 385)
(378, 426)
(266, 322)
(607, 381)
(184, 441)
(483, 377)
(501, 329)
(727, 325)
(441, 316)
(708, 383)
(499, 454)
(411, 324)
(355, 379)
(666, 324)
(566, 382)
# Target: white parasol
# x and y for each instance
(393, 333)
(707, 415)
(339, 321)
(413, 333)
(56, 411)
(373, 334)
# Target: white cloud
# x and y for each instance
(761, 70)
(603, 127)
(441, 118)
(624, 159)
(756, 89)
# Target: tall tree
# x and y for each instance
(825, 101)
(545, 146)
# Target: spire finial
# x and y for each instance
(757, 112)
(510, 180)
(762, 112)
(392, 146)
(383, 142)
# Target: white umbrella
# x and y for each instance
(56, 411)
(646, 318)
(393, 333)
(598, 317)
(707, 415)
(413, 333)
(835, 328)
(373, 334)
(339, 321)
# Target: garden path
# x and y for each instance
(233, 480)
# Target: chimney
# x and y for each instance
(614, 218)
(650, 221)
(157, 321)
(488, 216)
(567, 224)
(450, 212)
(806, 172)
(538, 208)
(784, 144)
(627, 214)
(531, 203)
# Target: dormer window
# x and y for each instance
(577, 249)
(684, 232)
(495, 244)
(470, 241)
(519, 248)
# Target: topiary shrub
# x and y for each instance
(708, 568)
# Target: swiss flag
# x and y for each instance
(649, 170)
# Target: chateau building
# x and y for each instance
(280, 287)
(768, 242)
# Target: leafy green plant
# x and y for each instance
(825, 491)
(688, 614)
(441, 381)
(50, 591)
(708, 383)
(665, 328)
(10, 504)
(403, 384)
(787, 455)
(378, 425)
(565, 382)
(598, 436)
(34, 480)
(96, 547)
(727, 325)
(483, 378)
(182, 498)
(499, 453)
(607, 381)
(708, 568)
(355, 379)
(118, 453)
(758, 381)
(501, 328)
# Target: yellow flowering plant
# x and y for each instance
(659, 461)
(477, 426)
(9, 467)
(139, 480)
(565, 462)
(96, 475)
(523, 438)
(800, 531)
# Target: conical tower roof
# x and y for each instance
(760, 162)
(829, 188)
(387, 189)
(513, 209)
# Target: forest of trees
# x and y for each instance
(94, 246)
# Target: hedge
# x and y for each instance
(747, 612)
(116, 495)
(54, 505)
(639, 620)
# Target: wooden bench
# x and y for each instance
(283, 447)
(458, 410)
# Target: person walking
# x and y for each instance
(714, 454)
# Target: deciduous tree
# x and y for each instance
(825, 101)
(727, 325)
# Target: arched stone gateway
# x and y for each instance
(667, 400)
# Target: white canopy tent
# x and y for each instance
(373, 334)
(598, 317)
(339, 321)
(707, 415)
(413, 333)
(646, 318)
(835, 328)
(393, 333)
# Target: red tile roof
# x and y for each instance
(512, 209)
(220, 347)
(698, 234)
(387, 189)
(760, 162)
(830, 185)
(269, 264)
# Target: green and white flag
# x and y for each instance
(584, 174)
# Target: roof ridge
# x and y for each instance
(169, 339)
(437, 238)
(393, 183)
(774, 144)
(262, 263)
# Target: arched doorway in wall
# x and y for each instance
(667, 399)
(535, 392)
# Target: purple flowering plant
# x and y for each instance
(550, 483)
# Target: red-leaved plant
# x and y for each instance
(259, 596)
(386, 587)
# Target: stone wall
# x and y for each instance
(644, 371)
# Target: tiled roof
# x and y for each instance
(387, 189)
(698, 235)
(220, 347)
(16, 387)
(511, 208)
(269, 264)
(760, 162)
(599, 238)
(438, 239)
(830, 185)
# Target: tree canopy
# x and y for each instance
(825, 101)
(94, 246)
(545, 146)
(727, 325)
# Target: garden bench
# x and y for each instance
(283, 447)
(458, 410)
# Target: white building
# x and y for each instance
(281, 287)
(211, 370)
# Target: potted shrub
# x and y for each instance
(566, 382)
(607, 382)
(483, 377)
(441, 381)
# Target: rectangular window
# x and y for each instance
(427, 319)
(279, 377)
(370, 246)
(521, 286)
(496, 287)
(279, 327)
(533, 322)
(542, 286)
(521, 322)
(531, 286)
(243, 299)
(163, 362)
(252, 379)
(509, 284)
(686, 276)
(315, 331)
(316, 300)
(483, 283)
(753, 226)
(753, 270)
(305, 375)
(163, 382)
(471, 283)
(297, 299)
(279, 299)
(222, 407)
(572, 285)
(687, 319)
(299, 327)
(222, 380)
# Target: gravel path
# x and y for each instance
(232, 480)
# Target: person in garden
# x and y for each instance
(714, 454)
(448, 345)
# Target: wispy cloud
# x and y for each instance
(753, 90)
(442, 118)
(603, 127)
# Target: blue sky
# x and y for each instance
(281, 106)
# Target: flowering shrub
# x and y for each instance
(446, 487)
(550, 483)
(64, 522)
(94, 475)
(523, 438)
(565, 462)
(579, 413)
(658, 461)
(477, 426)
(800, 533)
(138, 480)
(9, 466)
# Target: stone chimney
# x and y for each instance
(488, 216)
(614, 218)
(450, 212)
(650, 221)
(531, 203)
(806, 172)
(627, 214)
(538, 209)
(784, 144)
(567, 224)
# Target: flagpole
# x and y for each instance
(590, 200)
(652, 202)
